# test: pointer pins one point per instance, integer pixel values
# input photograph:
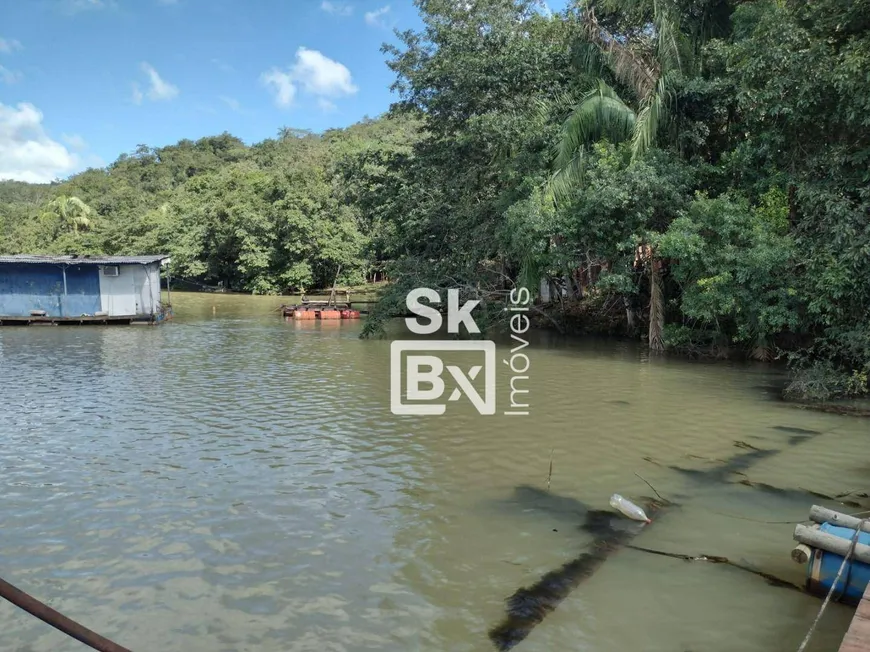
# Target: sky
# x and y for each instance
(83, 81)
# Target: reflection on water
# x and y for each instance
(233, 481)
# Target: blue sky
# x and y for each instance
(82, 81)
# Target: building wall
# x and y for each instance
(25, 287)
(118, 293)
(135, 291)
(153, 285)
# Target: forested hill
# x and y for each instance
(281, 214)
(694, 171)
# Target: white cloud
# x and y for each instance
(75, 141)
(314, 73)
(282, 84)
(231, 102)
(158, 89)
(225, 67)
(26, 151)
(337, 8)
(137, 94)
(320, 75)
(75, 6)
(326, 106)
(9, 76)
(374, 18)
(9, 45)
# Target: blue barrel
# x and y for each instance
(822, 568)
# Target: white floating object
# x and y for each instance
(628, 508)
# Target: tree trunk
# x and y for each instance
(629, 315)
(656, 306)
(761, 351)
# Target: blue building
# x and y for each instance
(81, 289)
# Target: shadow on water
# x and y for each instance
(797, 431)
(728, 471)
(528, 607)
(725, 471)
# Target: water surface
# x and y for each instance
(235, 482)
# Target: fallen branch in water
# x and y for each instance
(755, 520)
(836, 499)
(57, 620)
(664, 500)
(716, 559)
(845, 410)
(550, 474)
(854, 492)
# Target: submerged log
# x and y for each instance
(820, 514)
(528, 607)
(830, 543)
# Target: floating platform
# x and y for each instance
(87, 320)
(320, 310)
(822, 548)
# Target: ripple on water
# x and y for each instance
(234, 481)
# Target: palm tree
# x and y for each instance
(72, 212)
(648, 68)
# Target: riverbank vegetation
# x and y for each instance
(692, 173)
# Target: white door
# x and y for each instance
(118, 292)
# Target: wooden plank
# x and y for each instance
(857, 639)
(48, 320)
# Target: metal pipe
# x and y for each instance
(57, 620)
(63, 303)
(831, 543)
(168, 282)
(820, 514)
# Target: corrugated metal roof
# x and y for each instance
(84, 260)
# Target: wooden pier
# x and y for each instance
(84, 320)
(857, 639)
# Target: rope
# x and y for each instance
(809, 635)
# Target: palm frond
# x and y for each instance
(627, 66)
(589, 58)
(650, 118)
(601, 113)
(669, 39)
(565, 181)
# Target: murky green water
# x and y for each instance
(232, 482)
